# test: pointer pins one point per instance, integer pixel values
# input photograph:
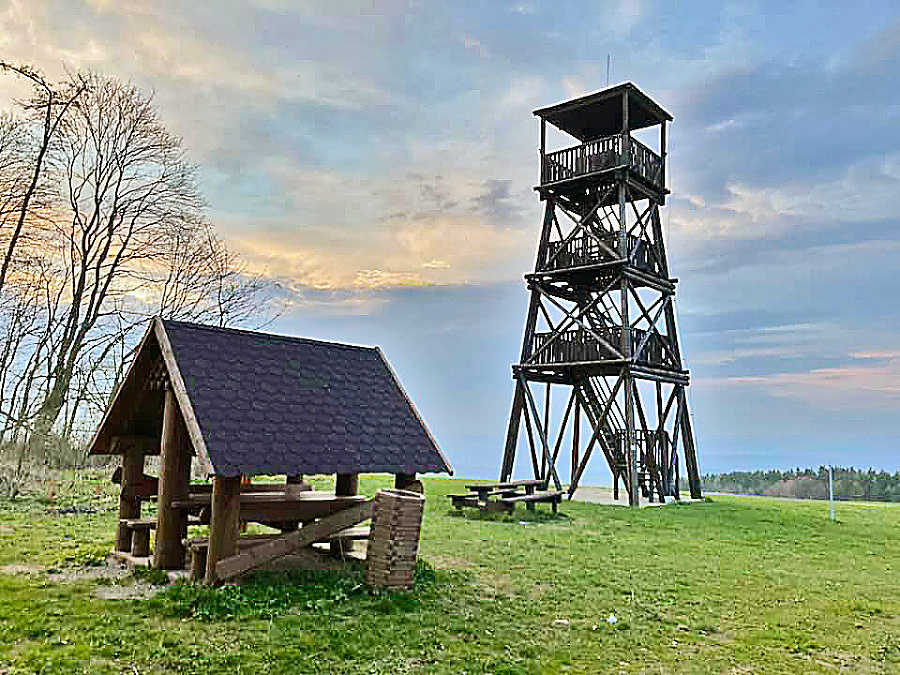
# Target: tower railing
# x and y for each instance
(599, 155)
(583, 251)
(578, 346)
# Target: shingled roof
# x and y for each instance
(257, 403)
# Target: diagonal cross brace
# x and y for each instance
(545, 446)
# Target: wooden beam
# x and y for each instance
(408, 481)
(129, 503)
(597, 424)
(224, 528)
(345, 485)
(576, 431)
(562, 427)
(518, 404)
(690, 452)
(180, 391)
(545, 446)
(530, 434)
(174, 477)
(662, 155)
(264, 553)
(512, 438)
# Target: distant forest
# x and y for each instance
(849, 483)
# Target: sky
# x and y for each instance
(377, 160)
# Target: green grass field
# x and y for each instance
(733, 585)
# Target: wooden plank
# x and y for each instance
(180, 390)
(129, 505)
(504, 484)
(140, 542)
(345, 485)
(174, 467)
(264, 553)
(543, 437)
(536, 497)
(139, 523)
(224, 524)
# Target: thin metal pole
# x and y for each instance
(830, 495)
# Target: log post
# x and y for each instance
(223, 526)
(129, 503)
(295, 484)
(174, 478)
(345, 485)
(408, 481)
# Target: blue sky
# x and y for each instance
(377, 160)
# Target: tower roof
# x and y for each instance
(257, 403)
(600, 114)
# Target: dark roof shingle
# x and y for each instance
(271, 404)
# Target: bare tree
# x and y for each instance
(203, 280)
(116, 231)
(126, 183)
(50, 104)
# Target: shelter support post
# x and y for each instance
(174, 478)
(224, 526)
(129, 502)
(408, 481)
(345, 485)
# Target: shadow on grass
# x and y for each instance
(525, 516)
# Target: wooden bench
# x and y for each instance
(479, 499)
(460, 501)
(553, 498)
(140, 535)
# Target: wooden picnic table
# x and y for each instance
(483, 490)
(509, 493)
(278, 509)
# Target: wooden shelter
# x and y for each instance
(241, 403)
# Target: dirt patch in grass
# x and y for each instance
(110, 571)
(21, 568)
(450, 562)
(127, 592)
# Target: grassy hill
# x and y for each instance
(733, 585)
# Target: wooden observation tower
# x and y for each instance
(601, 318)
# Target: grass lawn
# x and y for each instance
(733, 585)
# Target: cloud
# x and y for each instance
(869, 382)
(472, 44)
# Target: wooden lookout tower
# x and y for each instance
(601, 317)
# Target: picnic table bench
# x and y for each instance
(553, 497)
(508, 494)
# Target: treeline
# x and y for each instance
(849, 483)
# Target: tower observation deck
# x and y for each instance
(601, 317)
